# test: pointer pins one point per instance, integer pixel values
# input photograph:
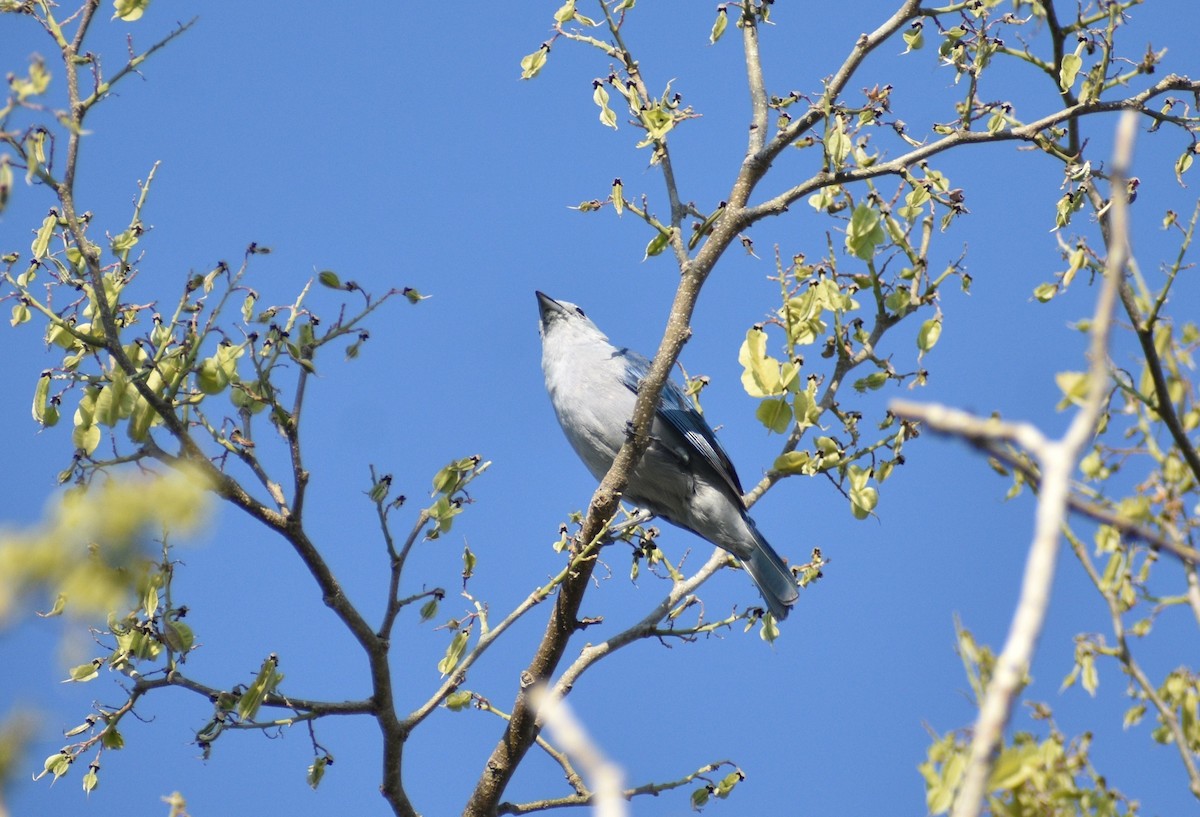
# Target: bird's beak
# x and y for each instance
(547, 305)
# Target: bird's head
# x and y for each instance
(566, 319)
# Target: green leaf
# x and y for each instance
(107, 412)
(443, 512)
(330, 279)
(458, 701)
(914, 39)
(718, 25)
(864, 233)
(86, 438)
(1076, 262)
(762, 375)
(725, 786)
(931, 330)
(6, 182)
(657, 244)
(940, 795)
(837, 144)
(1015, 765)
(19, 314)
(179, 636)
(90, 779)
(35, 153)
(150, 601)
(566, 12)
(122, 243)
(533, 63)
(808, 412)
(658, 123)
(35, 84)
(1074, 387)
(1183, 164)
(57, 764)
(429, 609)
(1065, 207)
(607, 116)
(1071, 63)
(829, 451)
(1045, 292)
(468, 563)
(793, 462)
(264, 683)
(1089, 678)
(824, 198)
(316, 772)
(447, 480)
(863, 502)
(212, 377)
(454, 652)
(863, 497)
(41, 397)
(871, 382)
(775, 414)
(41, 242)
(141, 419)
(84, 672)
(130, 10)
(248, 306)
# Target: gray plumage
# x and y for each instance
(685, 477)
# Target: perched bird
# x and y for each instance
(685, 477)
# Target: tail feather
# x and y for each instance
(773, 578)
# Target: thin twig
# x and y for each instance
(1133, 668)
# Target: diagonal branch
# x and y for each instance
(1026, 133)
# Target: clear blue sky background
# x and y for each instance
(395, 144)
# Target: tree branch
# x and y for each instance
(754, 74)
(1027, 133)
(1134, 669)
(1057, 460)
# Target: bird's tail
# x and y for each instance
(771, 575)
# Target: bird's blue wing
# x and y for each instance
(676, 410)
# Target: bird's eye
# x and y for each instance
(579, 312)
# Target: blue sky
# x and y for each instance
(396, 145)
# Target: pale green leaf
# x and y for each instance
(864, 233)
(130, 10)
(657, 244)
(1071, 63)
(454, 652)
(775, 414)
(718, 25)
(931, 330)
(41, 242)
(533, 63)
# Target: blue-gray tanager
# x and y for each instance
(685, 477)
